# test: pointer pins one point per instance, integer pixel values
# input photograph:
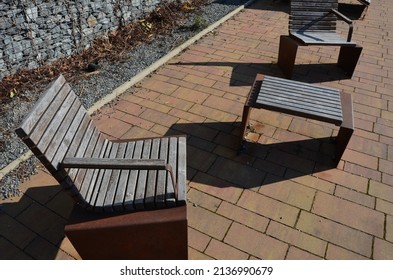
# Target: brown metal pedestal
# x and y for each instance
(347, 58)
(147, 235)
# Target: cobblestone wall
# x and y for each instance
(34, 32)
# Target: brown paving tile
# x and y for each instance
(298, 254)
(216, 187)
(243, 216)
(337, 253)
(49, 225)
(268, 207)
(15, 231)
(310, 129)
(297, 238)
(311, 181)
(384, 206)
(288, 191)
(68, 248)
(208, 222)
(255, 243)
(159, 86)
(236, 173)
(381, 190)
(61, 204)
(13, 206)
(363, 171)
(213, 113)
(346, 179)
(204, 200)
(383, 250)
(335, 233)
(197, 239)
(9, 251)
(41, 249)
(222, 251)
(360, 159)
(357, 197)
(196, 255)
(199, 159)
(356, 216)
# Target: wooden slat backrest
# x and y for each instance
(56, 126)
(312, 15)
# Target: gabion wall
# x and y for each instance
(34, 32)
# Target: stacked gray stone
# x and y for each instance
(33, 33)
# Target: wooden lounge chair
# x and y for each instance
(130, 195)
(313, 22)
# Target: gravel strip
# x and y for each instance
(95, 87)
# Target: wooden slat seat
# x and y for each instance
(112, 178)
(315, 102)
(314, 22)
(302, 99)
(321, 38)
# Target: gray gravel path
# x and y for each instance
(94, 88)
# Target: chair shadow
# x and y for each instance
(243, 74)
(352, 11)
(257, 163)
(271, 5)
(40, 216)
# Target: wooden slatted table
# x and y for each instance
(320, 103)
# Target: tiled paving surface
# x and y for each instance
(275, 201)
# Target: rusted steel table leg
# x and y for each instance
(245, 120)
(287, 54)
(348, 58)
(347, 126)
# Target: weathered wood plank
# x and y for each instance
(152, 176)
(40, 107)
(170, 198)
(50, 132)
(64, 127)
(81, 148)
(97, 151)
(118, 203)
(162, 175)
(104, 186)
(115, 178)
(78, 125)
(91, 177)
(139, 199)
(47, 117)
(182, 171)
(133, 178)
(95, 184)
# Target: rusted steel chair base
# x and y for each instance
(344, 101)
(347, 59)
(146, 235)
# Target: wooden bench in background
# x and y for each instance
(130, 195)
(313, 22)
